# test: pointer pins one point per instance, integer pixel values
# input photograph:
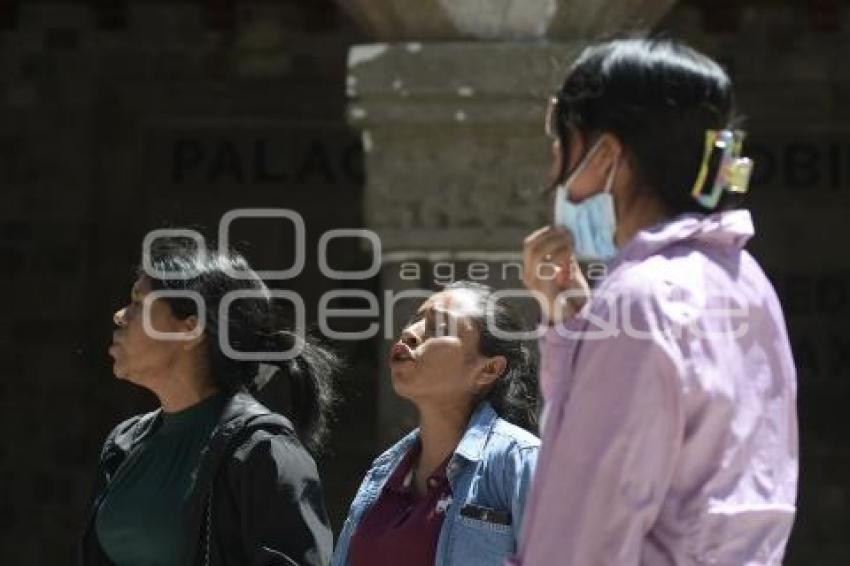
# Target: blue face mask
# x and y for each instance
(592, 221)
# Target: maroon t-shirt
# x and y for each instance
(401, 525)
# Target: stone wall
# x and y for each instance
(162, 113)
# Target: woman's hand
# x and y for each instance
(551, 270)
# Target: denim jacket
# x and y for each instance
(489, 473)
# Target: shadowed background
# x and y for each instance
(119, 116)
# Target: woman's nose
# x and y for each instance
(119, 318)
(409, 338)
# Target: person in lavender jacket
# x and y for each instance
(669, 425)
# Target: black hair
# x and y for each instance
(658, 97)
(253, 324)
(514, 395)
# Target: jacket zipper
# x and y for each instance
(209, 527)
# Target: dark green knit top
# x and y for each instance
(140, 520)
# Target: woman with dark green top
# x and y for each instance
(212, 477)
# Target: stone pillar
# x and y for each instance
(452, 128)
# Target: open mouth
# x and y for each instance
(401, 353)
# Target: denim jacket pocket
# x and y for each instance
(485, 514)
(481, 542)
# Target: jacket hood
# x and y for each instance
(728, 229)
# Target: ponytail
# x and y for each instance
(310, 378)
(514, 395)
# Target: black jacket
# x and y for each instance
(257, 499)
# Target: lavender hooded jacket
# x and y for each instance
(670, 428)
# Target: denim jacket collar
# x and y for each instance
(470, 447)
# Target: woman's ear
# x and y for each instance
(189, 325)
(491, 371)
(609, 152)
(594, 167)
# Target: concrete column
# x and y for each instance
(452, 129)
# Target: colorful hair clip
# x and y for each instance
(723, 154)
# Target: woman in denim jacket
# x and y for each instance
(452, 492)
